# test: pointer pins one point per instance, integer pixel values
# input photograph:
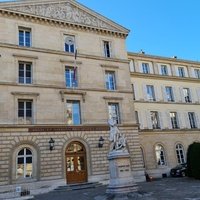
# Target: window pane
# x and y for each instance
(21, 152)
(76, 113)
(20, 170)
(29, 160)
(28, 152)
(20, 160)
(21, 38)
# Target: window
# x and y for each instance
(145, 68)
(192, 119)
(69, 43)
(73, 112)
(155, 120)
(160, 155)
(113, 109)
(24, 37)
(164, 70)
(25, 73)
(71, 77)
(169, 93)
(174, 120)
(25, 111)
(150, 93)
(107, 49)
(137, 117)
(186, 95)
(181, 72)
(24, 163)
(110, 80)
(197, 73)
(180, 154)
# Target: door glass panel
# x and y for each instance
(70, 164)
(80, 163)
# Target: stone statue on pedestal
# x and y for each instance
(117, 139)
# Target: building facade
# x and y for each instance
(64, 72)
(166, 93)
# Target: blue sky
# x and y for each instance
(158, 27)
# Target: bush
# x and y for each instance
(193, 160)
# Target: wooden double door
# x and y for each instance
(76, 165)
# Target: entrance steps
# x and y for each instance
(79, 186)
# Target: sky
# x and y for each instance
(158, 27)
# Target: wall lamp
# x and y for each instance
(101, 142)
(51, 144)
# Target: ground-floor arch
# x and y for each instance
(76, 163)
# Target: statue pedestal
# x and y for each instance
(121, 179)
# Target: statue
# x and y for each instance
(117, 139)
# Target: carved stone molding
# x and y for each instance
(64, 11)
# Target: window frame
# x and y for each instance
(107, 49)
(150, 96)
(24, 157)
(73, 77)
(25, 30)
(197, 73)
(117, 111)
(73, 112)
(145, 68)
(181, 72)
(25, 118)
(72, 46)
(174, 120)
(169, 93)
(164, 68)
(192, 120)
(110, 86)
(180, 154)
(187, 95)
(157, 125)
(24, 77)
(160, 155)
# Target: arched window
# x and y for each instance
(24, 163)
(160, 155)
(180, 153)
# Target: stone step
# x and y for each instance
(80, 186)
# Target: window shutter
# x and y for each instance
(186, 120)
(141, 116)
(168, 120)
(159, 69)
(174, 91)
(193, 95)
(197, 116)
(145, 92)
(180, 120)
(198, 94)
(148, 117)
(181, 99)
(164, 93)
(160, 116)
(136, 95)
(157, 93)
(131, 64)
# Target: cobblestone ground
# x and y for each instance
(163, 189)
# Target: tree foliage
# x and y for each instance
(193, 160)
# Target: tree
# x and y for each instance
(193, 161)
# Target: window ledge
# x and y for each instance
(25, 56)
(25, 93)
(71, 62)
(73, 92)
(110, 66)
(112, 98)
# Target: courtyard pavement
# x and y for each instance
(162, 189)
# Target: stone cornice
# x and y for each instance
(165, 78)
(152, 132)
(25, 56)
(49, 51)
(61, 23)
(162, 59)
(25, 93)
(165, 102)
(63, 88)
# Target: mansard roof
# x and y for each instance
(68, 11)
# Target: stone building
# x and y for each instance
(64, 71)
(167, 107)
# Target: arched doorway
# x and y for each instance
(76, 165)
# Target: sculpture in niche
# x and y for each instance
(117, 139)
(64, 11)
